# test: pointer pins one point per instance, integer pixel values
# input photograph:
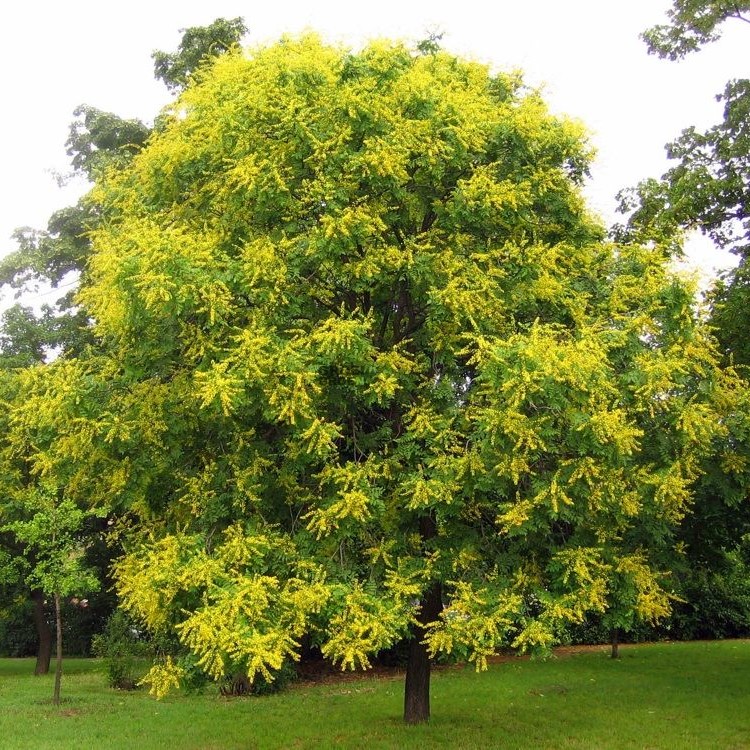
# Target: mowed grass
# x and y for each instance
(677, 695)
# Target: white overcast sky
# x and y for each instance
(585, 53)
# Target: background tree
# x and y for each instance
(54, 435)
(13, 560)
(693, 23)
(708, 189)
(56, 257)
(50, 534)
(398, 384)
(198, 44)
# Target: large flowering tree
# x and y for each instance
(398, 384)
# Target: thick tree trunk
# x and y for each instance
(44, 634)
(417, 687)
(58, 660)
(614, 639)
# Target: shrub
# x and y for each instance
(124, 648)
(237, 683)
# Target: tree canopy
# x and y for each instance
(693, 23)
(57, 255)
(375, 373)
(198, 43)
(707, 188)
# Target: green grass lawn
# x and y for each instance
(686, 695)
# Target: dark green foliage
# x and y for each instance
(194, 679)
(717, 599)
(282, 678)
(730, 302)
(714, 603)
(48, 256)
(99, 139)
(693, 23)
(430, 45)
(708, 189)
(27, 338)
(55, 257)
(122, 645)
(198, 43)
(17, 633)
(83, 620)
(709, 186)
(24, 337)
(595, 631)
(395, 656)
(236, 683)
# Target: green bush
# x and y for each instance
(714, 604)
(717, 603)
(281, 680)
(193, 679)
(17, 632)
(124, 648)
(237, 683)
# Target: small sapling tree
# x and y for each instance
(50, 532)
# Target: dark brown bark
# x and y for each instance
(235, 685)
(417, 687)
(43, 632)
(614, 639)
(58, 660)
